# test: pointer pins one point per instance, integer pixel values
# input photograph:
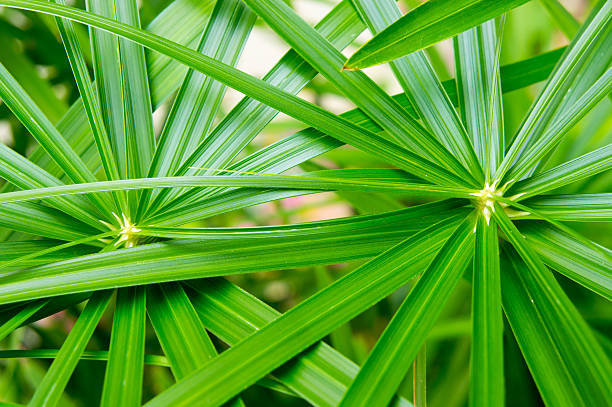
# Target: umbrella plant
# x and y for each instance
(100, 210)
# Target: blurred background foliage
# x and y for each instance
(31, 50)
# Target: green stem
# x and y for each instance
(420, 372)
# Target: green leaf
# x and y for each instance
(477, 55)
(159, 262)
(6, 404)
(24, 260)
(575, 69)
(121, 79)
(576, 208)
(564, 20)
(39, 89)
(342, 338)
(50, 390)
(220, 203)
(487, 353)
(409, 219)
(179, 330)
(199, 97)
(379, 151)
(90, 101)
(358, 87)
(102, 355)
(21, 248)
(418, 79)
(579, 168)
(249, 117)
(399, 344)
(309, 143)
(15, 97)
(577, 345)
(176, 22)
(182, 21)
(555, 382)
(553, 135)
(73, 126)
(426, 25)
(40, 220)
(258, 89)
(529, 71)
(88, 97)
(53, 306)
(15, 322)
(124, 370)
(26, 175)
(306, 323)
(513, 76)
(352, 182)
(85, 355)
(577, 261)
(320, 374)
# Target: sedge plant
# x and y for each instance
(100, 211)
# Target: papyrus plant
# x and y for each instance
(491, 219)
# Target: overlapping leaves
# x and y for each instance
(445, 139)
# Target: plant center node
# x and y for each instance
(485, 201)
(126, 231)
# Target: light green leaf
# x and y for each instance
(553, 135)
(124, 370)
(182, 21)
(579, 168)
(306, 323)
(555, 381)
(89, 98)
(365, 93)
(577, 345)
(353, 182)
(51, 388)
(249, 116)
(258, 89)
(577, 208)
(176, 22)
(574, 73)
(199, 97)
(407, 218)
(15, 321)
(121, 79)
(101, 355)
(564, 20)
(159, 262)
(309, 143)
(487, 353)
(399, 344)
(14, 250)
(529, 71)
(24, 71)
(15, 97)
(320, 375)
(426, 25)
(179, 330)
(418, 79)
(477, 55)
(577, 261)
(40, 220)
(26, 175)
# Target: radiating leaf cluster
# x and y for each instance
(102, 208)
